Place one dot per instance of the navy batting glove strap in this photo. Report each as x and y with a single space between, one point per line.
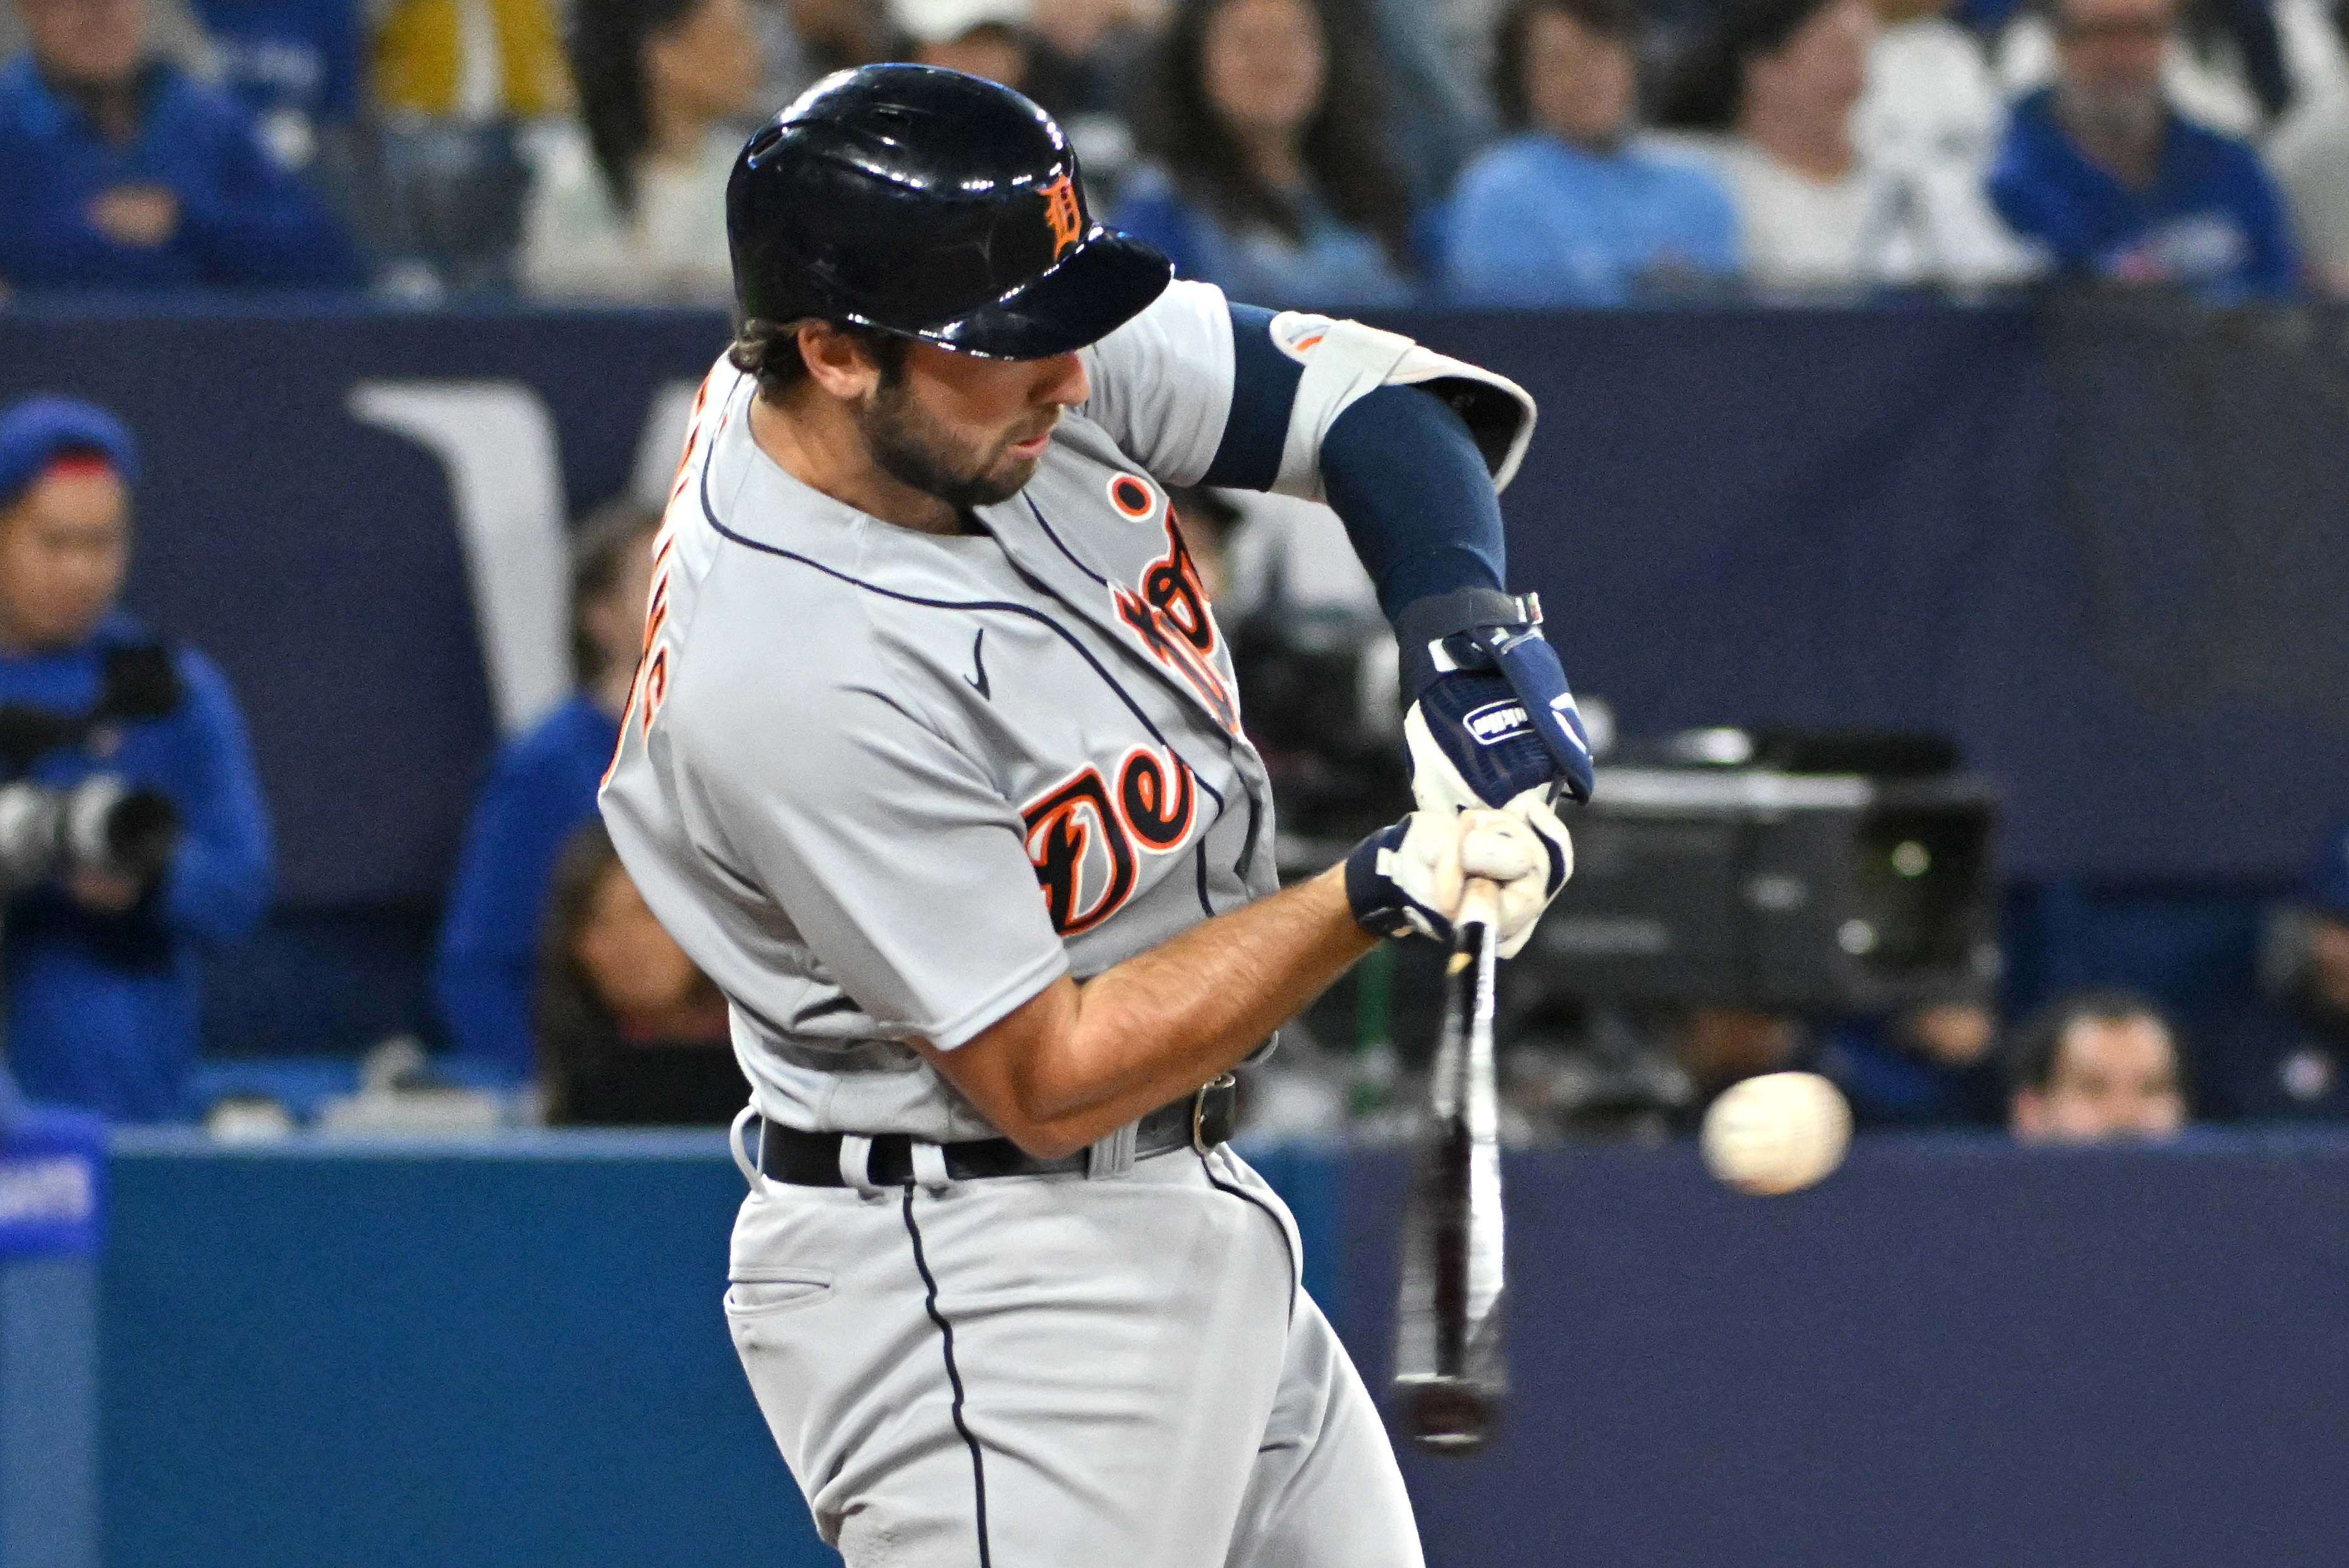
1381 905
1492 694
1432 634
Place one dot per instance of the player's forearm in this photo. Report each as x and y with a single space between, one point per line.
1077 1062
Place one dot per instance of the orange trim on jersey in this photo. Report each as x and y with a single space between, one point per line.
692 434
1131 496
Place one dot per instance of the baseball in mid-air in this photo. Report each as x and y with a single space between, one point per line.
1776 1133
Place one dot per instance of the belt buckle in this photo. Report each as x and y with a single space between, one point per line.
1199 1111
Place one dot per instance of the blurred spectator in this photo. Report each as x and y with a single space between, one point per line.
173 32
541 789
1931 102
294 65
2289 1058
1815 211
634 207
629 1032
470 61
1574 209
803 41
2225 64
980 37
2310 155
1929 1067
1717 1047
102 955
2103 173
2095 1065
1104 43
1273 181
1098 54
456 82
117 170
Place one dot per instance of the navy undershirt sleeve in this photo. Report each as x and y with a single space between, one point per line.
1399 466
1263 390
1404 475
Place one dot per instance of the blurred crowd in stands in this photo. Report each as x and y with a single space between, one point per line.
1341 154
553 980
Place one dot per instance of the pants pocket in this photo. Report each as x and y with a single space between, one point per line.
767 1294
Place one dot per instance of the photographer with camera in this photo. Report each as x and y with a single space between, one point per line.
132 833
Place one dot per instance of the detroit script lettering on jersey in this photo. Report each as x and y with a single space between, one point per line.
1169 613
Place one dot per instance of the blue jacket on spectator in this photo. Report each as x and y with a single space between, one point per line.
243 220
2211 221
1538 221
102 1010
1891 1087
288 57
541 790
1336 265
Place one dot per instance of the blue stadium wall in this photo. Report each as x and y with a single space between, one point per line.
1953 1353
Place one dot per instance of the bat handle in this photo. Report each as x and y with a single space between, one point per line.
1480 905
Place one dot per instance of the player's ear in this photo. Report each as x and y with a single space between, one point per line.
836 361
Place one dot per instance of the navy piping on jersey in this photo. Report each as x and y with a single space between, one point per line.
710 515
1039 513
1296 1267
1255 816
954 1378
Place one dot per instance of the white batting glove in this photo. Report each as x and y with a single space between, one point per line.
1406 880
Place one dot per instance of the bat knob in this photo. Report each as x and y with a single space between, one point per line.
1447 1416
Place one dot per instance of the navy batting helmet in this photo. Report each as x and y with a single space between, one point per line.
933 206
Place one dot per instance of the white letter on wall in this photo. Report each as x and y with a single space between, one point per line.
663 443
496 442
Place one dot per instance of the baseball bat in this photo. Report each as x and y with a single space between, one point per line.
1451 1369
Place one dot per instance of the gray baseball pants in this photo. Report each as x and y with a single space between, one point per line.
1029 1371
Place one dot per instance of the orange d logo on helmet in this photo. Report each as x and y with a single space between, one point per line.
1061 211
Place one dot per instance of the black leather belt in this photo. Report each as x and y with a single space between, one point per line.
1198 1121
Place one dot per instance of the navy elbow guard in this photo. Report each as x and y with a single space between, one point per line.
1491 714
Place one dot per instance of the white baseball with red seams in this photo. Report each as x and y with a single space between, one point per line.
1776 1133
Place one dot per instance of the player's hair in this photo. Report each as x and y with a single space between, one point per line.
770 351
1617 21
1705 89
607 61
599 550
1345 146
2032 1052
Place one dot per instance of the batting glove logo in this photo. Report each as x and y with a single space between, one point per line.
1495 722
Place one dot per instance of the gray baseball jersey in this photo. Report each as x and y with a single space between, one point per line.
881 784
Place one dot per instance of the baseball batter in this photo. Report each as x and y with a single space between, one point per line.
934 764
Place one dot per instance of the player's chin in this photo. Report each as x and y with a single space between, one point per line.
1007 479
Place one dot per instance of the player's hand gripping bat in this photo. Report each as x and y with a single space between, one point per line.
1451 1373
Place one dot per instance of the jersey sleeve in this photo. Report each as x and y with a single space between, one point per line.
899 864
1162 384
